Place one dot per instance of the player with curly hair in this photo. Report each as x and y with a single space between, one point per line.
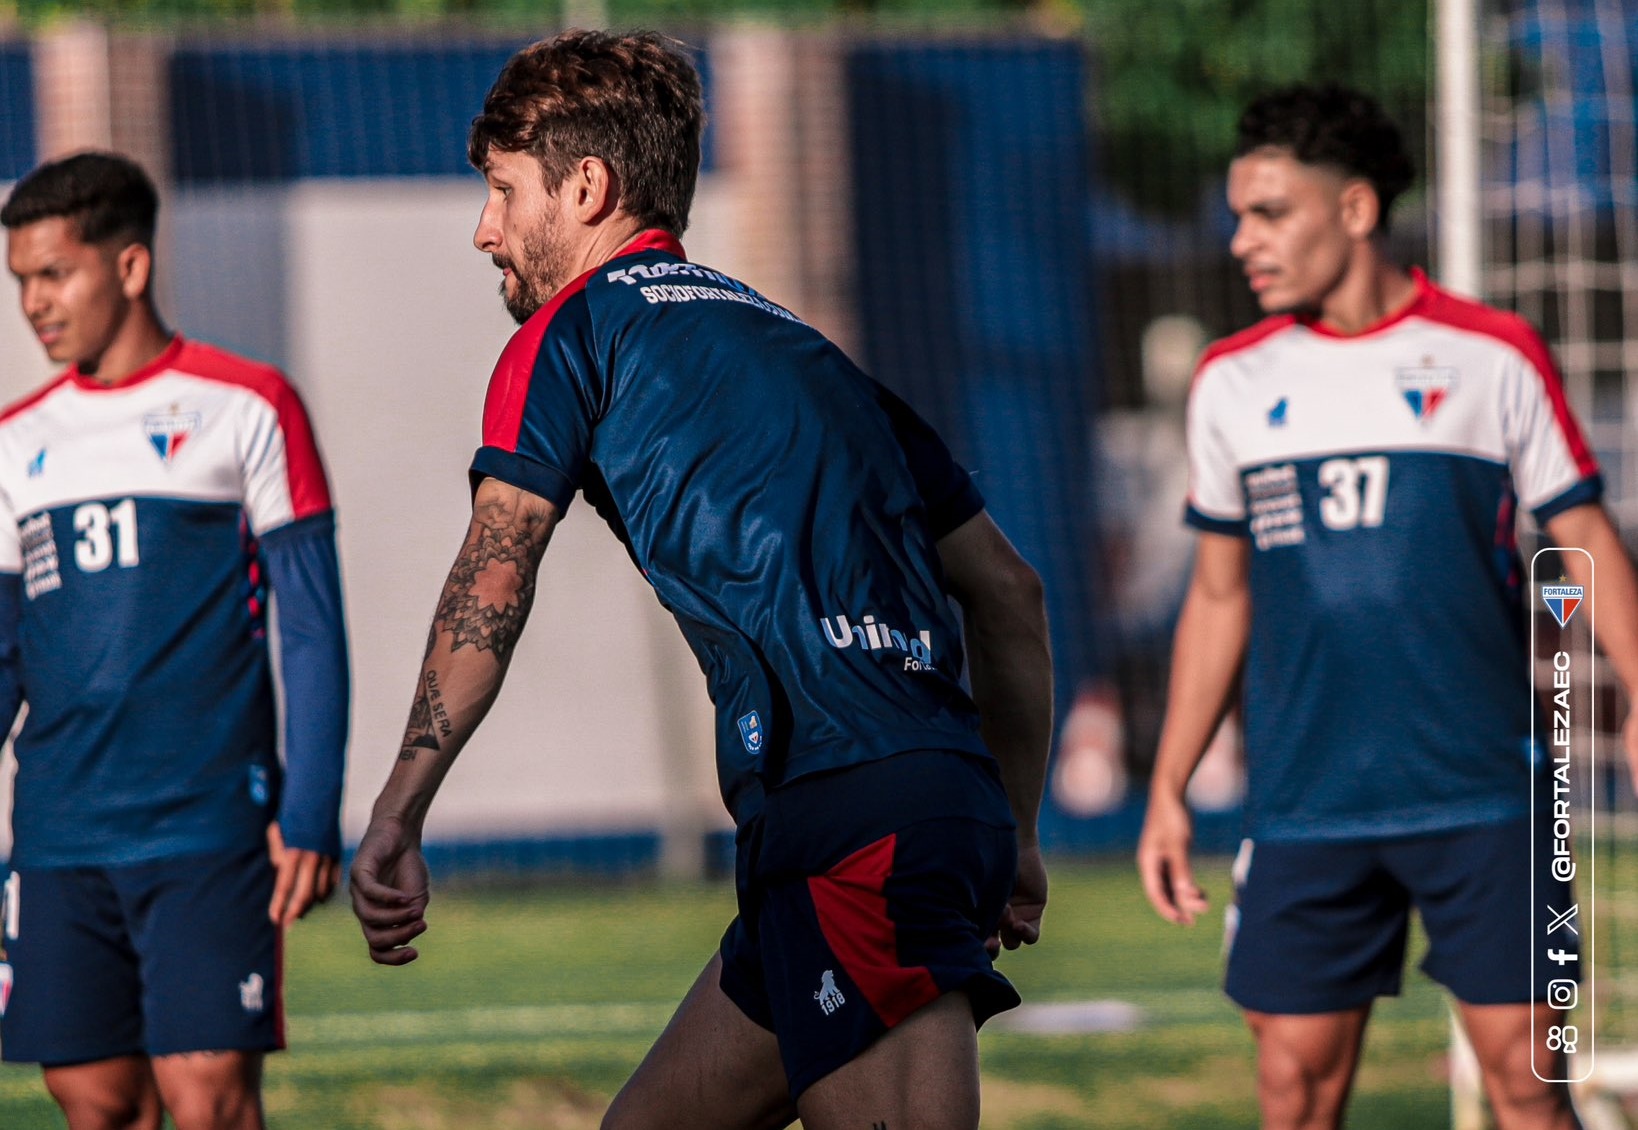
806 529
1356 463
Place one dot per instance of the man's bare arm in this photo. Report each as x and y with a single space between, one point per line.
1613 600
1009 657
1010 667
1210 644
480 616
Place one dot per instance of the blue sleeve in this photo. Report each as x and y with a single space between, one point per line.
945 487
305 578
11 678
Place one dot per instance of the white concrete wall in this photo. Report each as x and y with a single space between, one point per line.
372 297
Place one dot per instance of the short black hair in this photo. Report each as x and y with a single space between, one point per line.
106 196
1335 126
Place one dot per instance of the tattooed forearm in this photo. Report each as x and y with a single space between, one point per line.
435 699
428 720
492 583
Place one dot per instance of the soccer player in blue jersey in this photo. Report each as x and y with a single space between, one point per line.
1356 464
152 498
806 529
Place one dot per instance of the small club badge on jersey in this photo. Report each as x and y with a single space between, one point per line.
750 731
168 431
1425 387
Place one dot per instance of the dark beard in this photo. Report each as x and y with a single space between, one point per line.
540 272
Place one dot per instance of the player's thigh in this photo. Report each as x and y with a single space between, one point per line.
713 1068
75 992
1313 1050
1472 888
1511 1044
1316 927
211 1090
109 1094
921 1075
211 960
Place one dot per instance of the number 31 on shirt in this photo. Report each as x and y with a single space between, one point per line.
107 534
1356 491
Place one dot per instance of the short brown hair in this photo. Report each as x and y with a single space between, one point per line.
632 100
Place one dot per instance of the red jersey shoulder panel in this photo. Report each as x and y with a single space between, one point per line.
509 384
309 487
1245 339
1512 330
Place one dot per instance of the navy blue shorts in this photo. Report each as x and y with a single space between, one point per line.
176 955
865 894
1320 926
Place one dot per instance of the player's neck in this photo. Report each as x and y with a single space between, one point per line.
1373 289
141 338
606 241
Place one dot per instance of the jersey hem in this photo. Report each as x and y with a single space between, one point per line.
1383 826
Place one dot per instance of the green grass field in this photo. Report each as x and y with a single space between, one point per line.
530 1005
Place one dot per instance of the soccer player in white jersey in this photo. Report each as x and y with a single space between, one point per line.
151 497
1356 461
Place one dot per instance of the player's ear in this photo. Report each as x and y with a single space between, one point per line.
596 190
1360 208
135 265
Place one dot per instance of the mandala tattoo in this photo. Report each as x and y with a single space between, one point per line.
492 584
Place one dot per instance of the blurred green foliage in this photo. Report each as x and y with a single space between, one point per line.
1170 76
1173 75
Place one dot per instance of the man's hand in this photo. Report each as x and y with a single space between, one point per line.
302 879
1163 861
390 891
1021 920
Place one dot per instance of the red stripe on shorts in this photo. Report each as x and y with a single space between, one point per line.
853 917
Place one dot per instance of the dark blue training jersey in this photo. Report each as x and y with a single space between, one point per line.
783 505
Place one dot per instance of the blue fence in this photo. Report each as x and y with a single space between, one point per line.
17 143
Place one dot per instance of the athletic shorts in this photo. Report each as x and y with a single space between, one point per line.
177 955
864 894
1320 926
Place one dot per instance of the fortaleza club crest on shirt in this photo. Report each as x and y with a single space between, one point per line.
1562 601
1425 387
750 731
168 431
